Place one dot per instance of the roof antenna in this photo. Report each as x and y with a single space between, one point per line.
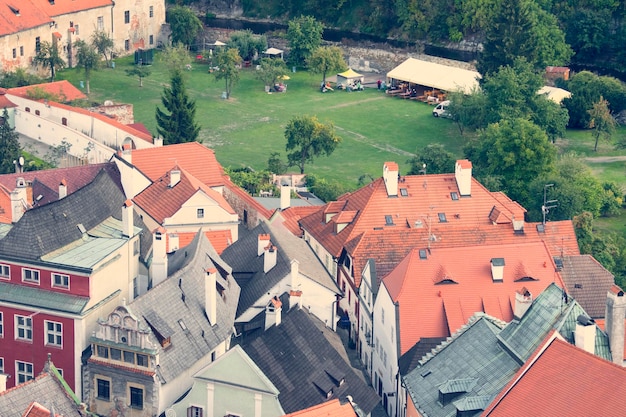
547 204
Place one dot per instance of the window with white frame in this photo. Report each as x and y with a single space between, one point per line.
100 22
54 333
151 11
5 271
200 213
30 275
23 371
194 411
60 281
136 397
23 328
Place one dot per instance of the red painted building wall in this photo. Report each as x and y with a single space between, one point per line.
78 284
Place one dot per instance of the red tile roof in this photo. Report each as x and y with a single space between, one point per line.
37 410
4 101
20 15
332 408
220 239
563 380
292 215
451 284
195 158
61 7
64 90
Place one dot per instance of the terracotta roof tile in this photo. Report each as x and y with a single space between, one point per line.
220 239
292 215
29 16
562 380
37 410
60 7
452 284
64 90
332 408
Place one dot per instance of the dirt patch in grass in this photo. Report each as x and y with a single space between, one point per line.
355 103
381 146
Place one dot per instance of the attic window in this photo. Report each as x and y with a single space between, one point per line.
389 220
442 217
578 286
454 195
426 373
525 279
404 192
541 228
423 254
14 10
182 325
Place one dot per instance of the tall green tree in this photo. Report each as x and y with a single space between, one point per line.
184 24
104 44
227 61
304 34
247 43
326 59
9 146
270 69
602 123
432 159
176 124
87 59
176 58
49 57
307 138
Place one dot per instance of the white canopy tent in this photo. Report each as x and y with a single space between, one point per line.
274 52
555 94
439 76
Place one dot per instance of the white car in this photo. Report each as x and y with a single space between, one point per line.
442 109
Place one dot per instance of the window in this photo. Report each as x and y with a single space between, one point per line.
60 281
27 109
136 397
37 44
100 22
24 371
54 334
136 247
76 30
37 112
442 217
1 365
151 11
454 195
194 412
23 328
127 16
64 121
116 354
129 357
200 213
404 192
389 220
127 45
103 389
21 51
30 275
103 352
151 40
1 326
5 272
142 360
382 316
14 53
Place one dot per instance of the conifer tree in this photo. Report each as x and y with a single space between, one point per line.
176 123
9 146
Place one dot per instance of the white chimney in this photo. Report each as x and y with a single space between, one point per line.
390 175
518 225
463 175
269 258
3 382
614 324
127 219
157 142
285 197
585 334
62 189
523 301
127 153
18 200
158 268
273 313
210 295
497 269
173 243
174 177
263 242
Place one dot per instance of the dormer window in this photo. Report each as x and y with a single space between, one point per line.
454 195
442 217
389 220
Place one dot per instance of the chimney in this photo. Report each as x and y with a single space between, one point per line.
210 295
273 312
390 175
269 258
174 177
585 334
518 225
263 242
173 243
127 153
497 269
285 197
523 301
3 382
463 176
158 268
62 189
19 200
157 142
614 324
127 219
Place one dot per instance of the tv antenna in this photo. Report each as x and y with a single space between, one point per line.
547 204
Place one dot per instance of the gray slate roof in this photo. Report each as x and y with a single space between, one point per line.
46 389
297 357
163 306
411 357
242 257
588 282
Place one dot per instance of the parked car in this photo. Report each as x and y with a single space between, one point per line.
442 109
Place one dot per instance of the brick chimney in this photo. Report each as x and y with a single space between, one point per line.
614 324
210 295
523 301
19 200
62 189
390 175
585 333
263 242
273 313
463 176
269 258
174 177
285 197
497 269
158 268
127 219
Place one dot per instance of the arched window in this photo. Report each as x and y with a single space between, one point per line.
64 121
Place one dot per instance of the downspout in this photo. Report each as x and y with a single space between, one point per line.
397 305
112 7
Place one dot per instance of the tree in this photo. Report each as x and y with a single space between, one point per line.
247 43
87 58
436 159
139 71
270 69
601 122
177 126
308 138
324 189
276 165
304 35
9 146
176 58
104 44
48 57
326 59
184 24
227 62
